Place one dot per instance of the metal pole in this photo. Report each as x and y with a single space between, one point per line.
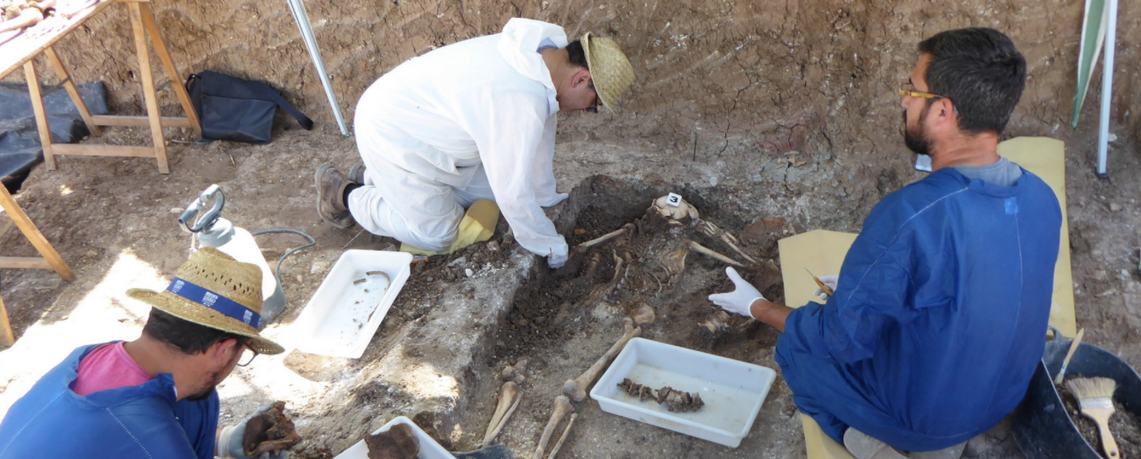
298 9
1106 88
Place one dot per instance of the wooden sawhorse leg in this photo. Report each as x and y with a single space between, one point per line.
48 259
143 26
7 338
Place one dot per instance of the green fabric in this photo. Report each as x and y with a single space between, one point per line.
1093 34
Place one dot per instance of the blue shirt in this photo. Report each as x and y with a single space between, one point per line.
939 318
144 421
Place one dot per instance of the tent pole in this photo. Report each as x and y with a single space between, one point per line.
298 9
1106 89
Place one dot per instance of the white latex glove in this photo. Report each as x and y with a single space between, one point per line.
230 440
831 281
556 260
739 300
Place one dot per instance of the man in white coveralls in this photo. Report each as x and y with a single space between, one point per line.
471 121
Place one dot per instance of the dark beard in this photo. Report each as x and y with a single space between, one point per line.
201 395
214 381
916 142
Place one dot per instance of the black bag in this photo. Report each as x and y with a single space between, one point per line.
235 109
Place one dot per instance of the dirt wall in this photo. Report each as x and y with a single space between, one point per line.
714 76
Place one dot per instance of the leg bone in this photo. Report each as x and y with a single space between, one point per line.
576 388
502 421
713 254
507 395
563 437
562 407
605 237
713 230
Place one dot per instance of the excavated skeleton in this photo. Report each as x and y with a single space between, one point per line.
270 432
674 400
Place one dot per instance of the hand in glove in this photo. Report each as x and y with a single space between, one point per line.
740 299
556 260
831 281
230 444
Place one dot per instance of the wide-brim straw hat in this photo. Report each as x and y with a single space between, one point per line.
214 290
610 70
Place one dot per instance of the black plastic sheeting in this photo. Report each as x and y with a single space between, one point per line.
20 142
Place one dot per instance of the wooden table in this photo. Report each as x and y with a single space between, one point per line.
22 51
38 40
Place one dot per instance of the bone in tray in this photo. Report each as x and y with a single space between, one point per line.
362 299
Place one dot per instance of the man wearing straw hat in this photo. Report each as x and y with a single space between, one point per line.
468 122
154 396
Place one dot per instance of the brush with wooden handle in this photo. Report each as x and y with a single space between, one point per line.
1095 399
1069 355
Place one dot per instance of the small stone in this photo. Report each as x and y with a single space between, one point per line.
91 254
318 267
468 272
457 262
175 210
1114 207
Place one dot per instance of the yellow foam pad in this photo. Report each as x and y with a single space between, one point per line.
822 252
1046 158
477 225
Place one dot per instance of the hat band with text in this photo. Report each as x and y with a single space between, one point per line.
215 301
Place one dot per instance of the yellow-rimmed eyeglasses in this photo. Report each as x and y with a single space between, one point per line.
908 90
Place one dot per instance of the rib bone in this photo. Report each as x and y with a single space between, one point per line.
562 407
576 388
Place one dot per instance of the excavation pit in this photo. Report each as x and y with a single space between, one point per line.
561 321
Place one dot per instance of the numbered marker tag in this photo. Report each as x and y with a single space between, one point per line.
673 199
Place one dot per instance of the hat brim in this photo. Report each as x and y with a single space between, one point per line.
206 317
610 71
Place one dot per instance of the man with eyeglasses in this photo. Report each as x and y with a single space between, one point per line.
936 324
471 121
153 396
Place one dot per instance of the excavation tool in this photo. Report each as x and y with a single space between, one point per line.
1069 355
1095 398
820 284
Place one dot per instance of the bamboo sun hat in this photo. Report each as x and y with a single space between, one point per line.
610 70
214 290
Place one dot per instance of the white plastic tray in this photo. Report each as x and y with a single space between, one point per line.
733 391
429 449
346 310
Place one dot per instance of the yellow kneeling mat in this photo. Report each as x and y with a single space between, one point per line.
822 253
477 225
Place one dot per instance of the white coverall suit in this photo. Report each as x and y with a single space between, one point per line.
472 120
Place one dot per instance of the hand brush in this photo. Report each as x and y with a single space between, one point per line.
1095 398
1069 355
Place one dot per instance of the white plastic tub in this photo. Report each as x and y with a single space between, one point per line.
346 310
429 449
733 391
